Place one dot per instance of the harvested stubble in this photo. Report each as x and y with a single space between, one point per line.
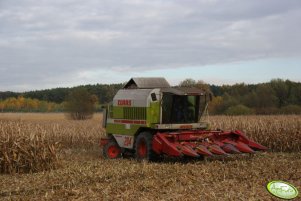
22 153
93 179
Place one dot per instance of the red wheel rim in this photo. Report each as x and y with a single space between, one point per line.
142 149
113 151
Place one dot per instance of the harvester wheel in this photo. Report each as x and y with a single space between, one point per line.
143 147
111 150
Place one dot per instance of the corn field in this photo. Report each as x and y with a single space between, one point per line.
69 149
22 152
33 144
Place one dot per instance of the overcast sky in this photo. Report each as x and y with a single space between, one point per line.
59 43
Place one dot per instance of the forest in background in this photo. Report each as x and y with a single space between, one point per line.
275 97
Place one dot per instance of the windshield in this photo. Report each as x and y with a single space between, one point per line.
180 109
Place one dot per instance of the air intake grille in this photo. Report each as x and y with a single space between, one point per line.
134 113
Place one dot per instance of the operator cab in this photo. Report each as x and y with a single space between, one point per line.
182 105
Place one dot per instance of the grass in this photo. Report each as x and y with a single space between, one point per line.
84 175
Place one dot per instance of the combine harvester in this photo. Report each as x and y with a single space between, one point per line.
149 119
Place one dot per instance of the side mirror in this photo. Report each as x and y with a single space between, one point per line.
153 96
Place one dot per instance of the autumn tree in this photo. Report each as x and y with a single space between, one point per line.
187 83
216 105
80 104
281 91
198 84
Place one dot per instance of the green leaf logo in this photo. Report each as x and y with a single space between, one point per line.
282 190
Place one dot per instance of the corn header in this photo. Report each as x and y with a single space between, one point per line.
149 119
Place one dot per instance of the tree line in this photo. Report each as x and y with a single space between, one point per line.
104 93
275 97
21 104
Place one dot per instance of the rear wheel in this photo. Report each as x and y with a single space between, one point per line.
111 150
143 147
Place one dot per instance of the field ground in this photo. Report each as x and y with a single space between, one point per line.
84 175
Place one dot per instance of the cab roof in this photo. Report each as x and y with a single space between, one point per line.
182 91
146 83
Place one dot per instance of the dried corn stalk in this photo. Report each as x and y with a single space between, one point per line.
21 153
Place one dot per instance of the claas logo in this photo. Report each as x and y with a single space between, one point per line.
124 102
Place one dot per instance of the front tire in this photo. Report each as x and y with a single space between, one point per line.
111 150
143 147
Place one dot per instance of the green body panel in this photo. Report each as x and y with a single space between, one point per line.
150 114
115 128
137 113
153 114
117 112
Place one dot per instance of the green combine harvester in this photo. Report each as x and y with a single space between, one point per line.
148 118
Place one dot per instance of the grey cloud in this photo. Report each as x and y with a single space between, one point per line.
51 42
